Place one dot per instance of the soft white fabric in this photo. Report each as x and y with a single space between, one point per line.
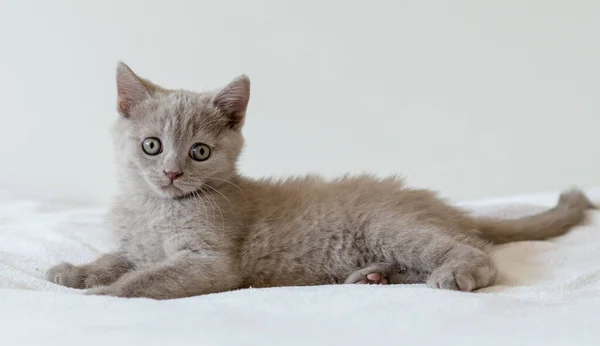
548 294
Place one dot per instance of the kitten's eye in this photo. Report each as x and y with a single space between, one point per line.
152 146
200 152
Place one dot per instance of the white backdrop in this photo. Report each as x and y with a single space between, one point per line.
473 98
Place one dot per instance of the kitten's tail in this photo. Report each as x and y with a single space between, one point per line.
568 212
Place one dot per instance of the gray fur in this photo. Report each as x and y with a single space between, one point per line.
214 230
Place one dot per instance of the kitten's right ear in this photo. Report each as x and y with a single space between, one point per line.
130 90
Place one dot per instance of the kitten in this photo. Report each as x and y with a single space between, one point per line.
189 224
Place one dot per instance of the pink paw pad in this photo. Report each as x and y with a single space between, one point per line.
373 279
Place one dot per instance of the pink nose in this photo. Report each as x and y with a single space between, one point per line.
173 175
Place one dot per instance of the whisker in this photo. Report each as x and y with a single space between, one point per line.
219 192
228 182
212 207
199 193
199 199
216 206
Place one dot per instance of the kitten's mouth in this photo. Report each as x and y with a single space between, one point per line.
169 187
176 192
175 189
171 190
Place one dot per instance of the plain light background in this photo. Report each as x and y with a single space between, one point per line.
471 98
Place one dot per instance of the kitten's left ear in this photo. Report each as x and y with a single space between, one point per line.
233 100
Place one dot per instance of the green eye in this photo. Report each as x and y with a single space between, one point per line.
152 146
200 152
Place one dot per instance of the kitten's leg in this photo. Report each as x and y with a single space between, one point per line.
384 273
453 265
185 274
105 270
464 268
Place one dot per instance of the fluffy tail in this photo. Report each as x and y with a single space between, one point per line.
568 212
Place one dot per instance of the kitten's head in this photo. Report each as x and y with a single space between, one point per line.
174 143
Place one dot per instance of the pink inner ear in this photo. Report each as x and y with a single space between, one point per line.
123 107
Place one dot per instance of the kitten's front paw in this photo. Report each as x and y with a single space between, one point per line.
464 277
66 274
103 291
114 290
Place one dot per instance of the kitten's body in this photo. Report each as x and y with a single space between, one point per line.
310 231
303 231
212 230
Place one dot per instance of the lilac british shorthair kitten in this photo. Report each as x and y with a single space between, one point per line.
189 224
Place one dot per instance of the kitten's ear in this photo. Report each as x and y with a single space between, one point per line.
130 89
232 101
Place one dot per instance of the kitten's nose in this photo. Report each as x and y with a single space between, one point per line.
173 175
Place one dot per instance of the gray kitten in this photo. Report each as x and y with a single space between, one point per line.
189 224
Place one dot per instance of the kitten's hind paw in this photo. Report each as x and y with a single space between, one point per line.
374 279
375 274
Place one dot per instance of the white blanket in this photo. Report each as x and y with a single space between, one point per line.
548 293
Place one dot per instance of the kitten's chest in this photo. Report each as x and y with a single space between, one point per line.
151 233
